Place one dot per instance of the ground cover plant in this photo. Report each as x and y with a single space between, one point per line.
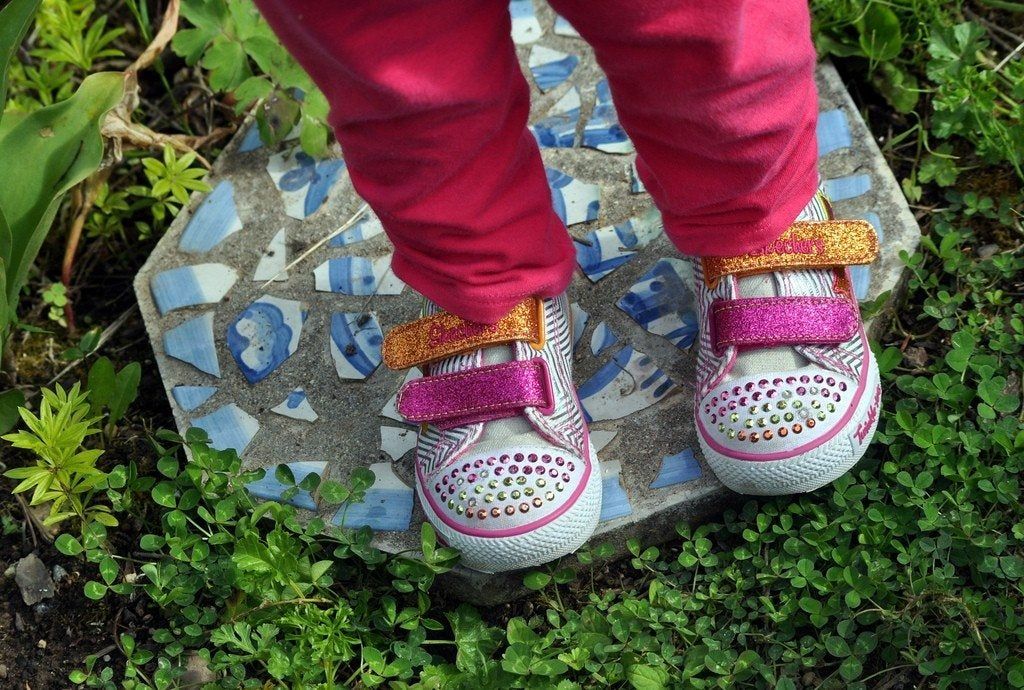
906 573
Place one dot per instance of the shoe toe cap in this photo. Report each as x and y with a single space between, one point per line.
772 416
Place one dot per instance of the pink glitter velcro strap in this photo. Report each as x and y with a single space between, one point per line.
768 321
477 395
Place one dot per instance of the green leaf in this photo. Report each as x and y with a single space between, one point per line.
963 347
109 570
537 580
68 545
100 383
95 590
164 494
10 401
881 38
643 677
63 143
15 19
126 388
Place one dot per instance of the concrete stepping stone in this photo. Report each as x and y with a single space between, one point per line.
285 367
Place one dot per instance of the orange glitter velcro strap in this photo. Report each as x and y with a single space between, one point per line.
443 335
806 244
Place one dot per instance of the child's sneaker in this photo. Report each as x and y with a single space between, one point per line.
504 467
788 390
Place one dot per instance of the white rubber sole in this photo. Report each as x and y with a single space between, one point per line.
563 535
811 470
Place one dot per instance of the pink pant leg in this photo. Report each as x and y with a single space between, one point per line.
429 105
719 99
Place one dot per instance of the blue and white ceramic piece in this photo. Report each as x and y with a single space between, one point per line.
215 219
395 441
525 27
574 201
628 383
269 489
365 228
229 426
558 128
264 335
603 250
303 181
355 344
251 141
860 276
296 406
662 301
580 317
188 286
550 67
636 185
390 409
602 338
614 500
677 469
564 28
192 342
599 438
357 275
833 132
191 397
849 187
273 261
386 508
603 131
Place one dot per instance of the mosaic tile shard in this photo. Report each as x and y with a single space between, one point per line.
355 344
304 182
603 131
551 68
574 201
191 397
614 500
849 187
525 27
636 185
630 382
367 227
270 488
602 338
833 132
214 220
600 438
558 128
580 317
603 250
357 275
662 301
274 259
252 140
264 335
396 442
861 275
564 28
188 286
192 342
677 469
387 507
390 409
297 406
229 426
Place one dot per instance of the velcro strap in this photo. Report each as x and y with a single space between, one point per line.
490 392
442 335
806 244
769 321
